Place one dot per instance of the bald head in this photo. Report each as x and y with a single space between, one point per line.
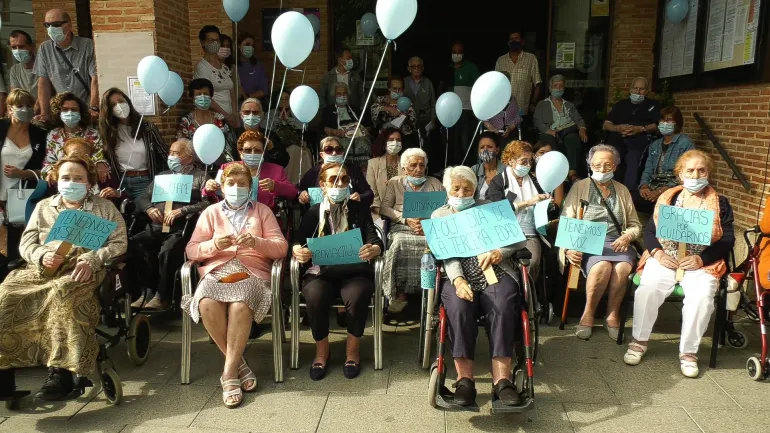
56 15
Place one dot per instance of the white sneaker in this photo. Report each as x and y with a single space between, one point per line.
689 368
397 306
634 357
138 303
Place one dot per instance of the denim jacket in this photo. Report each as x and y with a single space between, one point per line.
680 144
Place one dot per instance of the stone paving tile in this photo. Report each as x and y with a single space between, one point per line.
38 409
611 419
573 385
380 413
718 421
58 425
737 384
157 429
546 417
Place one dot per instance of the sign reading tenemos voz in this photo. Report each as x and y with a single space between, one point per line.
581 235
82 229
690 226
473 231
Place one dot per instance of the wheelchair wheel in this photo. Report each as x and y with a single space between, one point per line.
139 339
549 314
737 340
754 368
111 385
433 386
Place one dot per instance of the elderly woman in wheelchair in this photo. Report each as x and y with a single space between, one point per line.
235 243
702 265
353 282
466 292
50 308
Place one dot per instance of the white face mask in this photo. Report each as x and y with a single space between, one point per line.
121 110
602 177
695 186
393 147
457 58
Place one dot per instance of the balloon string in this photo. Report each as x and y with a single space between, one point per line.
237 76
301 150
363 110
272 86
283 84
366 61
141 118
476 131
446 153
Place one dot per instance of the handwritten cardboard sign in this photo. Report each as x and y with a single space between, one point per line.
422 204
316 195
339 249
541 216
473 231
581 235
689 226
82 229
254 188
172 187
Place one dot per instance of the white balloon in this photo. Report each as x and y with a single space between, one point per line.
395 16
304 103
552 170
293 38
490 94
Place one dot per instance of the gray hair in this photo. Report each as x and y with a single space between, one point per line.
254 101
643 79
411 153
462 172
340 84
555 79
415 58
603 148
188 145
328 140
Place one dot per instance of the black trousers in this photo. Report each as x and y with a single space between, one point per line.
498 302
320 292
164 252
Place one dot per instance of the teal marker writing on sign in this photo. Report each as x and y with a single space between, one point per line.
690 226
172 187
422 204
339 249
581 235
82 229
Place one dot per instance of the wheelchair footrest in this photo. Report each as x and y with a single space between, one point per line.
527 404
446 399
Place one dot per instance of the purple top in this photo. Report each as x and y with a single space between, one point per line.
253 77
509 116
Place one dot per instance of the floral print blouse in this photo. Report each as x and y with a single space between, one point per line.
188 125
55 146
381 117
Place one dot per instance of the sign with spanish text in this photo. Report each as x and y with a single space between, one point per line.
581 235
422 204
473 231
82 229
172 187
541 216
339 249
689 226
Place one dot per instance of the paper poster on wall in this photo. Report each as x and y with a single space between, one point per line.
677 52
731 35
143 103
269 15
600 8
361 38
565 55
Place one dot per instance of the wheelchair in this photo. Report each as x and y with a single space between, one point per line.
439 396
115 311
189 277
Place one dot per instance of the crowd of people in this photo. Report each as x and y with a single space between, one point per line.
98 152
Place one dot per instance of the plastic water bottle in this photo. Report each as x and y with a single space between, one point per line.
427 270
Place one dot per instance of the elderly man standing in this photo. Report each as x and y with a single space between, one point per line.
632 126
342 73
420 91
525 75
67 63
164 251
21 74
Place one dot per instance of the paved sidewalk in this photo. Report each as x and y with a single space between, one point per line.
580 386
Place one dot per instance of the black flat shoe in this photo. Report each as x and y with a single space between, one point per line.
58 385
465 392
506 392
318 370
7 383
351 369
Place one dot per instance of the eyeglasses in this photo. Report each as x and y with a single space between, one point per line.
607 167
252 151
331 150
343 180
525 162
55 24
254 112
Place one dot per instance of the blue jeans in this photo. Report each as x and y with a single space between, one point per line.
136 185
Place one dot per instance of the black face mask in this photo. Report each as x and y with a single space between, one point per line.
514 46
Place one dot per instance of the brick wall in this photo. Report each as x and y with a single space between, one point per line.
739 116
40 7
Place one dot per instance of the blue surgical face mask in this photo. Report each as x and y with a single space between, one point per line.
203 102
602 177
72 191
636 98
252 120
695 185
521 170
247 51
349 64
460 203
22 114
341 100
252 159
57 34
22 56
395 95
70 118
339 159
174 163
667 128
416 180
236 196
557 93
487 156
338 195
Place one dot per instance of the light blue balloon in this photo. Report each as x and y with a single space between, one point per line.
153 73
209 142
403 104
173 90
552 169
449 108
315 22
236 9
490 94
369 24
293 38
395 16
676 10
303 102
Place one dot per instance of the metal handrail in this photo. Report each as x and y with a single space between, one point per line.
715 141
